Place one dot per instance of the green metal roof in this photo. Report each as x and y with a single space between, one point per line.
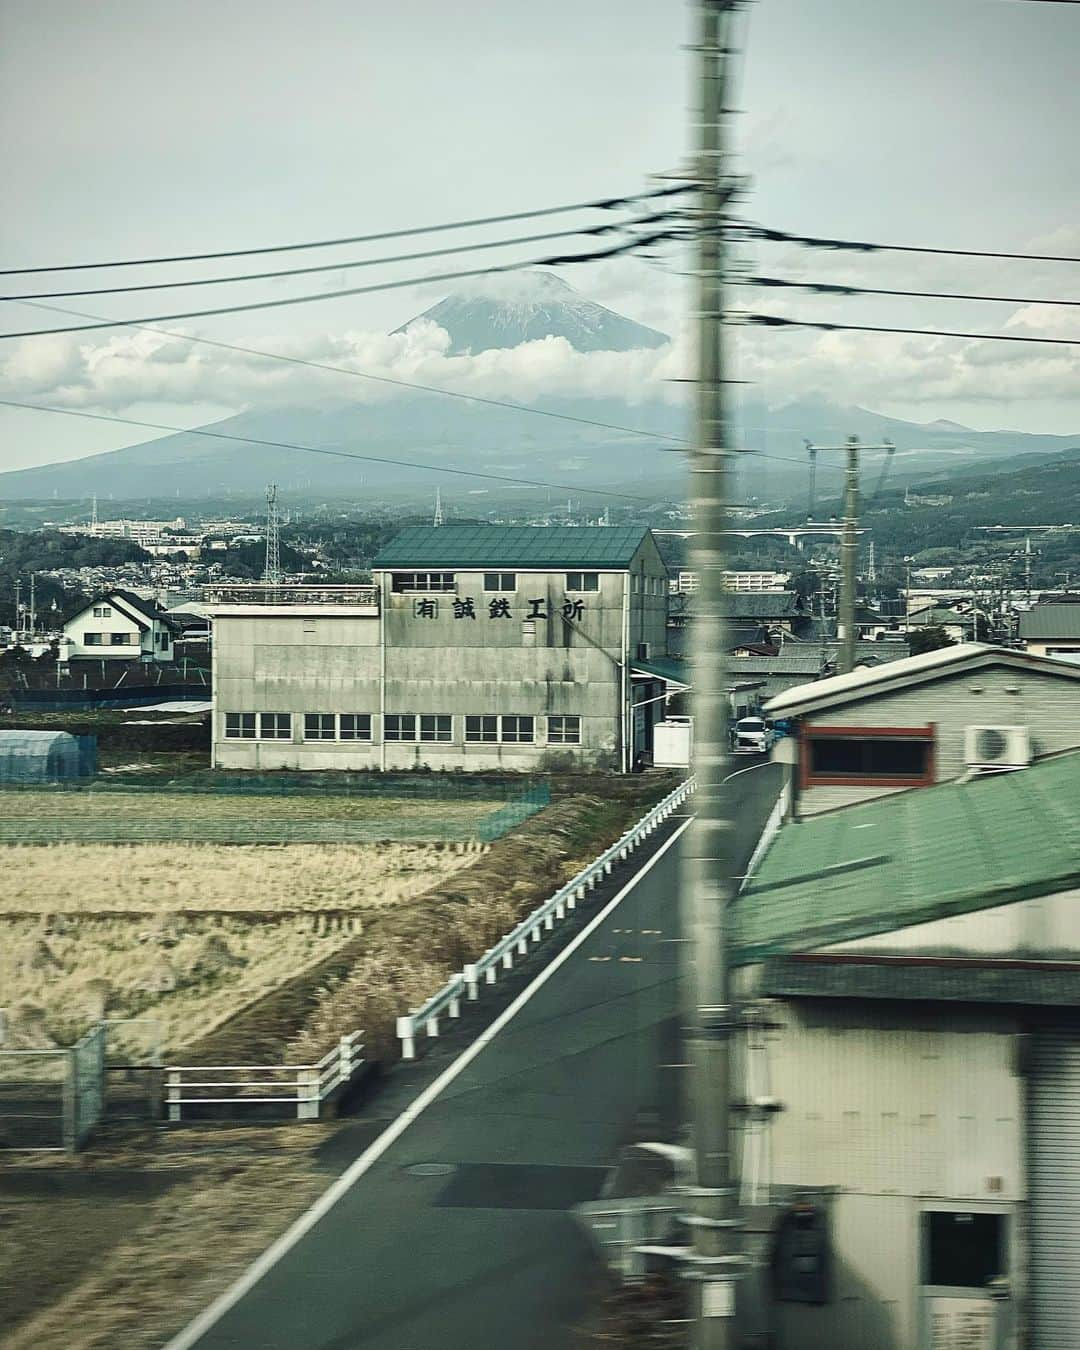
914 856
1051 621
467 546
668 668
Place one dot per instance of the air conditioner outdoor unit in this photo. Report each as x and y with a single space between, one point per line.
997 747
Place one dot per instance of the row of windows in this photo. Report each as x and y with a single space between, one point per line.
504 728
406 582
114 639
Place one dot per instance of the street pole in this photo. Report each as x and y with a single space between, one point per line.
714 1256
849 550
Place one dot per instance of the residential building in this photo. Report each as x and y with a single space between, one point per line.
958 625
795 666
117 625
476 647
910 970
1052 628
922 720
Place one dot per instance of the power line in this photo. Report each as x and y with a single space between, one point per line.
776 321
598 204
827 288
317 450
861 246
609 227
560 260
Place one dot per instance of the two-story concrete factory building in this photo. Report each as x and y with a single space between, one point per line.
476 647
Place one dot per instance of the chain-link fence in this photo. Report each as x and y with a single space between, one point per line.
85 1089
33 1099
54 1099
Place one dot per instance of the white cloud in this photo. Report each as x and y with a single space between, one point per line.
929 376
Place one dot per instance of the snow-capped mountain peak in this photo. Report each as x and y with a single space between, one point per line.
507 310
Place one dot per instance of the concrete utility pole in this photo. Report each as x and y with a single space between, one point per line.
849 553
849 544
715 1258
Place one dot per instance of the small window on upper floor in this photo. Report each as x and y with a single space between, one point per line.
583 581
500 581
411 582
102 612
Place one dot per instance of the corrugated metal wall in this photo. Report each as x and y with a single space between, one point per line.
894 1109
1054 1162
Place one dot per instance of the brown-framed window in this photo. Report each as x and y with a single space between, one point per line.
867 756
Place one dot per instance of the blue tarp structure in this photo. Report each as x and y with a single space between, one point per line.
45 756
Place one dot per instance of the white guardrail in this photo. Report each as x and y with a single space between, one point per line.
530 930
305 1086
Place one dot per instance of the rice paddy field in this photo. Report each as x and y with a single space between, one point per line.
184 934
158 815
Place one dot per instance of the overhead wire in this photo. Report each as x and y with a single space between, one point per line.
831 288
608 227
779 321
559 260
770 236
596 204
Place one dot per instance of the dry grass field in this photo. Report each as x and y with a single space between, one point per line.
184 934
158 815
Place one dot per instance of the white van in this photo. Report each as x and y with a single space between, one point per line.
753 735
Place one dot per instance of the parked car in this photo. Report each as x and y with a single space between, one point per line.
753 735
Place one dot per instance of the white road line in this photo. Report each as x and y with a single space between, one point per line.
195 1329
749 769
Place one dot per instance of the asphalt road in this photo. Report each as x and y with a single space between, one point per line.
458 1236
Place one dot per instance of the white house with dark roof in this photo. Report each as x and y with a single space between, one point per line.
923 720
476 647
117 625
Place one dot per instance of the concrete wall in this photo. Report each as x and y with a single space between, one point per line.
901 1111
301 662
1047 705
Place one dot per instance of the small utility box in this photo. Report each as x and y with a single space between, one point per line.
673 742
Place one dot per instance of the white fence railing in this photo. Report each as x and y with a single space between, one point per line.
303 1086
531 929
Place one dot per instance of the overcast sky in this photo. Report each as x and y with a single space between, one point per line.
139 127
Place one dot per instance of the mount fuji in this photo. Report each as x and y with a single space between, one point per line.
506 311
359 446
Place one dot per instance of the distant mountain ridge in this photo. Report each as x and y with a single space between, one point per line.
362 440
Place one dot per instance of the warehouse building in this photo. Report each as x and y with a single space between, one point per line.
476 647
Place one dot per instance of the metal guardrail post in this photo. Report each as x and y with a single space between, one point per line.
307 1094
471 980
173 1096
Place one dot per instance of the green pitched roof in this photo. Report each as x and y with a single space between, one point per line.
914 856
1051 621
466 546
